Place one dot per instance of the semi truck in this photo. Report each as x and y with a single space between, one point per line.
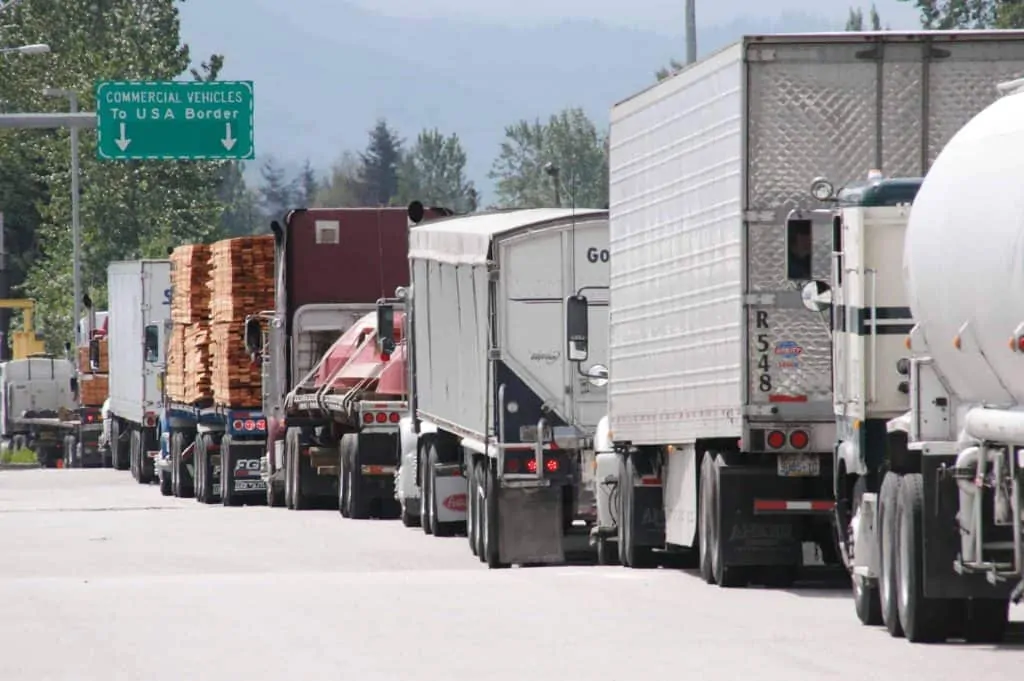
211 427
344 421
721 432
333 264
39 411
504 417
930 469
139 307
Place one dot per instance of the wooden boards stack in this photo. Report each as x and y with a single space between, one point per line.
93 389
242 284
188 376
104 364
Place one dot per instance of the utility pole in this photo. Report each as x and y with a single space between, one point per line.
691 31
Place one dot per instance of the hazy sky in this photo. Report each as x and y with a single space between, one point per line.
661 15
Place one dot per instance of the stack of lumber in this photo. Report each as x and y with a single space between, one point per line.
198 372
242 284
104 364
93 389
190 275
188 376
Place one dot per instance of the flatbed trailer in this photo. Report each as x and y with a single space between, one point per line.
71 440
343 427
199 442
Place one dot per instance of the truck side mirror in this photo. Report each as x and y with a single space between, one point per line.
94 354
253 336
577 328
816 296
152 343
386 329
799 249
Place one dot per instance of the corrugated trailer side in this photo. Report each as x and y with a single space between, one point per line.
125 300
450 305
676 162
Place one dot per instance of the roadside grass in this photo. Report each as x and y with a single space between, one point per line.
18 456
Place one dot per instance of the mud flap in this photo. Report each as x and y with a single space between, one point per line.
530 525
648 517
749 539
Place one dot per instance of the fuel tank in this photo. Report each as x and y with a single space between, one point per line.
964 256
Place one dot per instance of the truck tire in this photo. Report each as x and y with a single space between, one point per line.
343 478
866 600
181 483
145 471
707 572
491 526
924 620
119 454
437 528
358 504
205 493
275 494
630 555
726 577
472 528
227 481
293 462
425 499
888 503
165 483
478 491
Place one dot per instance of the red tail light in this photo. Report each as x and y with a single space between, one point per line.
367 417
776 439
395 417
511 465
799 439
261 424
551 465
531 465
381 417
237 424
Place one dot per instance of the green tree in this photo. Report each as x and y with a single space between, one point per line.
434 172
342 188
944 15
277 193
380 161
242 215
128 209
569 141
308 186
855 21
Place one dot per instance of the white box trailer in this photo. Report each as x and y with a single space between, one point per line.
496 397
139 308
720 396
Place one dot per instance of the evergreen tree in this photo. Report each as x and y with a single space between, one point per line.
277 193
380 161
309 185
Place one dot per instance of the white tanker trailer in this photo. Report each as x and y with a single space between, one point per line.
934 539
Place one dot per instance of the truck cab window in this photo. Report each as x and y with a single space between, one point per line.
798 249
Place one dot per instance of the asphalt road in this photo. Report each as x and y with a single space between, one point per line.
103 579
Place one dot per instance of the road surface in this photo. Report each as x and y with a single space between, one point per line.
104 579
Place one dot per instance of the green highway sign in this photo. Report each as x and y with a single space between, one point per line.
174 120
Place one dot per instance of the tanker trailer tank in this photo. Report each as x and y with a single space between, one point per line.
954 458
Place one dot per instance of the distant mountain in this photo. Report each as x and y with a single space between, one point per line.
322 76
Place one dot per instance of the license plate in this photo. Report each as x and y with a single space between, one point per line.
799 466
250 486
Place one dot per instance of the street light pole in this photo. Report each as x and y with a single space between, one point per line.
76 230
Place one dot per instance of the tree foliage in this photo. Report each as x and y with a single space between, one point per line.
568 141
379 172
673 68
128 209
855 22
961 14
434 172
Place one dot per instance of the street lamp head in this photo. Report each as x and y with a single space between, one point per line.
33 49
